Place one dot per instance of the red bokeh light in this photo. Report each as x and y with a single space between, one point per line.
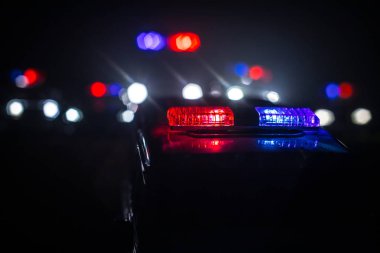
31 76
184 42
345 90
98 89
256 72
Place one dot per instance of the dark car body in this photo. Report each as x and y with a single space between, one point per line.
241 189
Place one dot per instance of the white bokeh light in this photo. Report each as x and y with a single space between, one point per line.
273 96
73 115
192 91
15 108
50 109
361 116
137 93
21 81
132 107
235 93
246 80
126 116
326 117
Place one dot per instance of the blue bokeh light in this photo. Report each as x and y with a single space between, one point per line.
15 73
332 90
241 69
150 41
114 89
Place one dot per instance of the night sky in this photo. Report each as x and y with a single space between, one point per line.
305 46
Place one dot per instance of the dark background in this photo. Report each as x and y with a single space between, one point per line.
60 183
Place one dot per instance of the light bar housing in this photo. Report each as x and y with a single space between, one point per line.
200 116
287 117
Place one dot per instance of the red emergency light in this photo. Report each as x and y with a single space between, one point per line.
200 116
184 42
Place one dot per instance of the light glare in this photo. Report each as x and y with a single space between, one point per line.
235 93
192 91
273 96
126 116
326 117
361 116
50 109
15 108
73 115
137 93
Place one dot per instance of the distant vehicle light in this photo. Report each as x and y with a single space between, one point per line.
98 89
50 109
287 117
73 115
21 81
184 42
137 93
150 41
241 69
15 108
256 72
31 76
345 90
192 91
272 96
114 89
235 93
246 80
361 116
126 116
332 90
326 117
200 116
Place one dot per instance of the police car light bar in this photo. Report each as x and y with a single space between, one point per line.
200 116
287 117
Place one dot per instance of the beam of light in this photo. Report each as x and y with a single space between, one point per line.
176 75
73 115
118 69
214 73
50 109
272 96
137 93
192 91
361 116
235 93
326 117
332 90
126 116
15 108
